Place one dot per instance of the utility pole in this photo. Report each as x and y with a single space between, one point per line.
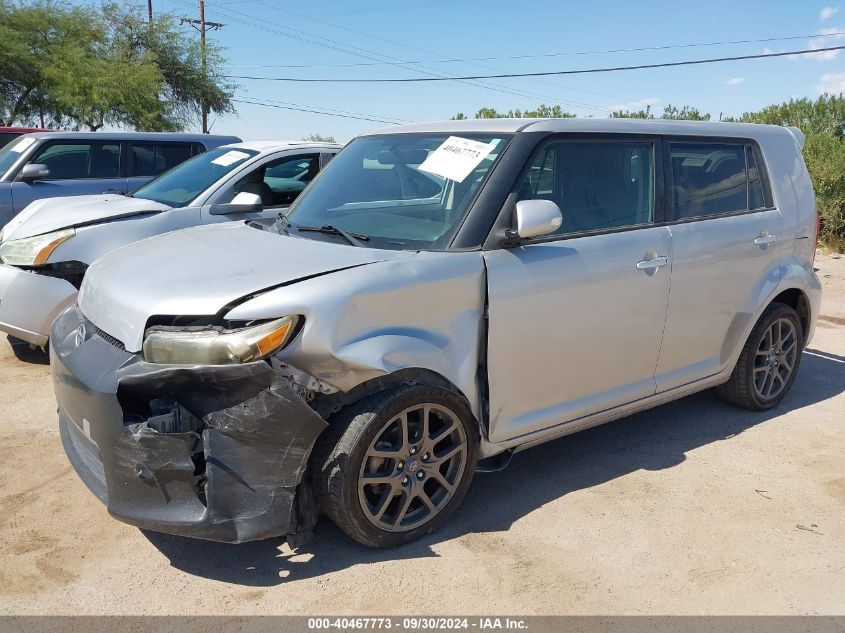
202 26
150 11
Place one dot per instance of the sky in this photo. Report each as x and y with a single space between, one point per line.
376 39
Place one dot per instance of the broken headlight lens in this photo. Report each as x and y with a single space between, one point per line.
218 347
33 251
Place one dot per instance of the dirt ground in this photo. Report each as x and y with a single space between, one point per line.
691 508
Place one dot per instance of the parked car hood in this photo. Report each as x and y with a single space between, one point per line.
200 270
52 214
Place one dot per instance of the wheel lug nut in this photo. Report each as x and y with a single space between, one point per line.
420 475
401 464
413 450
425 456
404 480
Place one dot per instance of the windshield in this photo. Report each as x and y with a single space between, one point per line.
403 191
182 184
12 151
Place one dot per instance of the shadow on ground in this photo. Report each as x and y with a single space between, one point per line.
24 352
653 440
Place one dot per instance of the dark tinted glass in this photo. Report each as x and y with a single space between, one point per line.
708 179
152 159
597 185
80 160
756 199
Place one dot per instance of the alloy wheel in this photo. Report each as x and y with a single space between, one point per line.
775 358
413 467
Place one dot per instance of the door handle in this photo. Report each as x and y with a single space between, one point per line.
765 238
112 191
649 264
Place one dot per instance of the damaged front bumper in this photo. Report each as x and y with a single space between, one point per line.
29 302
213 452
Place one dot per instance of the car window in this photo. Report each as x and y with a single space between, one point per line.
711 179
152 159
278 182
597 184
181 185
756 199
80 160
403 191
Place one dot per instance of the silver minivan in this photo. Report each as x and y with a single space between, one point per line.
441 296
45 250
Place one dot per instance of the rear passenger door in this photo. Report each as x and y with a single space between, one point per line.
726 243
148 160
76 168
576 318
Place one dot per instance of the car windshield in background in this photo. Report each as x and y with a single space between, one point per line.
179 186
406 191
11 152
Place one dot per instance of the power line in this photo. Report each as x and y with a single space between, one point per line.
582 71
324 42
547 55
315 111
382 118
427 52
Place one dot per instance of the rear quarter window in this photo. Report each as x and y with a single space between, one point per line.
715 179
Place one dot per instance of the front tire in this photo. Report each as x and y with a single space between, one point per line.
394 466
769 362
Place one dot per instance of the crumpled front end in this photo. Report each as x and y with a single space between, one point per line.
213 452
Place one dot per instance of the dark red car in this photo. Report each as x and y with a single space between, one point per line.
8 133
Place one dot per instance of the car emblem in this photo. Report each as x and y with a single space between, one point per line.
79 335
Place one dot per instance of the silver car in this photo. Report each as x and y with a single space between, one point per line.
46 249
442 296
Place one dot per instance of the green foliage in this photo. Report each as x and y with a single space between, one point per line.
825 115
686 113
69 66
825 157
319 138
542 112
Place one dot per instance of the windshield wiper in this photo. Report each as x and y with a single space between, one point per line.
356 239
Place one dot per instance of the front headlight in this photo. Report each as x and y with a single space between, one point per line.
33 251
216 347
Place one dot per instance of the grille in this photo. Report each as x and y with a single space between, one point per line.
108 338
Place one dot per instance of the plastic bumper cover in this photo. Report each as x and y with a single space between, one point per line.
223 458
29 303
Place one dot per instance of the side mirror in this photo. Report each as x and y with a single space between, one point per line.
34 171
244 202
535 218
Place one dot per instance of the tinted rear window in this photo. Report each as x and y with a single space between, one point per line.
715 178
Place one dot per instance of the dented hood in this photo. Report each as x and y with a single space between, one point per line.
52 214
198 271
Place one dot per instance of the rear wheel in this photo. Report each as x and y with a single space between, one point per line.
394 466
769 361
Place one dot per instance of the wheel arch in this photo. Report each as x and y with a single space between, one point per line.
333 403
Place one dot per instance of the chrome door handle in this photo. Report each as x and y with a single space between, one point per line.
766 238
648 264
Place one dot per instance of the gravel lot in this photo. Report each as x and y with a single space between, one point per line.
694 507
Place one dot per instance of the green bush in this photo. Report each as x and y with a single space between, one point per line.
825 157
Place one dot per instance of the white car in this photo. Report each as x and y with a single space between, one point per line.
45 249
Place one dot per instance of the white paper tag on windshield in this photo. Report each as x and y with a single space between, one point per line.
456 158
22 144
232 156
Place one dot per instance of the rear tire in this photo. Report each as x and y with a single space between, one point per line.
769 361
394 466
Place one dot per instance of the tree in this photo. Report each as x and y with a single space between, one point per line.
68 66
542 112
825 115
686 113
319 138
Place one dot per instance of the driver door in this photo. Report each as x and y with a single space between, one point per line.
576 318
